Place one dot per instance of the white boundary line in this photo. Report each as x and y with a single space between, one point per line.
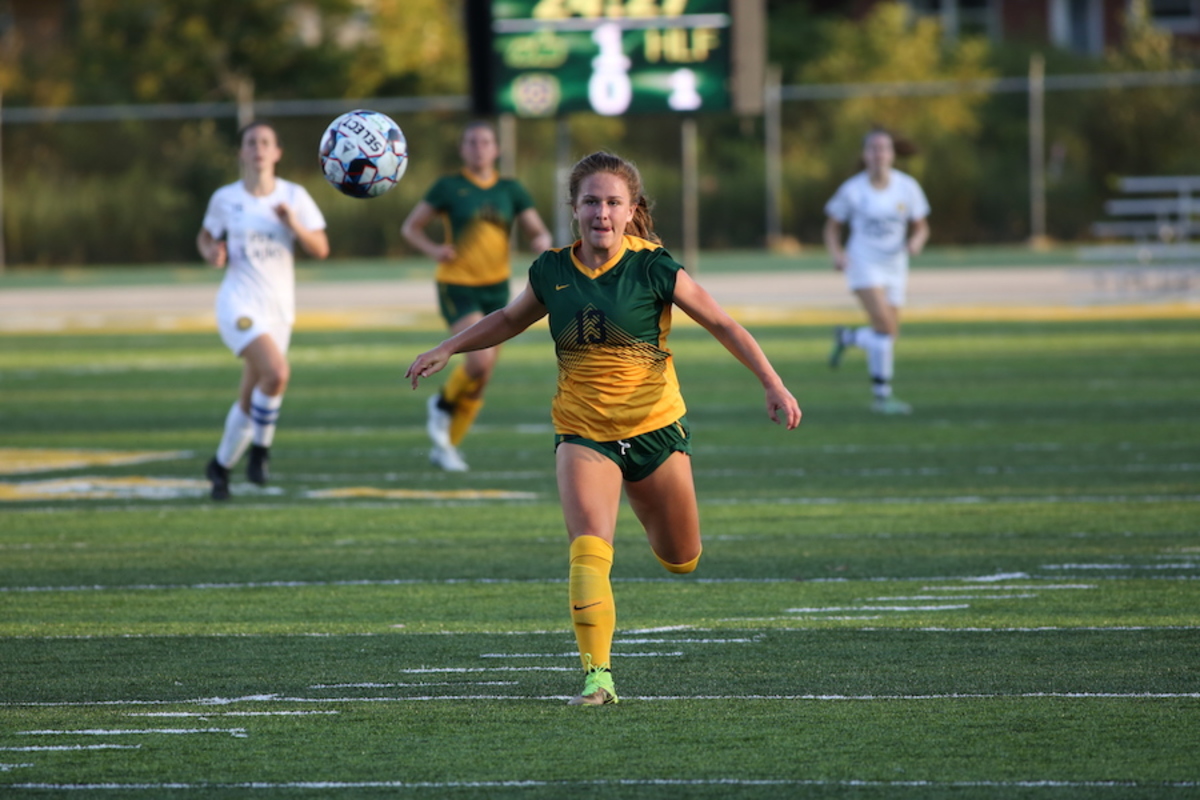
817 698
992 580
237 733
65 747
566 785
791 627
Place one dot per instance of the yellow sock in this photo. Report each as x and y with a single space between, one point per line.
593 611
464 393
679 569
466 409
459 385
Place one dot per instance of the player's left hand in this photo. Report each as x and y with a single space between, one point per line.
782 408
427 364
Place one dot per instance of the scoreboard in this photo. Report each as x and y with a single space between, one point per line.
545 58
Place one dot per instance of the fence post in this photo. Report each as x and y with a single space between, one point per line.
2 249
1037 151
690 167
562 172
773 155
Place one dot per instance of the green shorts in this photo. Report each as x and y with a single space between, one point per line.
639 456
456 301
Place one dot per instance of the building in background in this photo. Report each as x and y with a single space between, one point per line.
1084 26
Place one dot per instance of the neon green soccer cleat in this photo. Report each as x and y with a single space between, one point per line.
597 689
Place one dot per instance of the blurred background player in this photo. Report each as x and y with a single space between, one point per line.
250 230
887 213
478 209
618 414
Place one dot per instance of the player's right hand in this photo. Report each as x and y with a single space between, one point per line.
219 255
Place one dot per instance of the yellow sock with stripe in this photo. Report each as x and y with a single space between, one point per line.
679 569
593 610
463 394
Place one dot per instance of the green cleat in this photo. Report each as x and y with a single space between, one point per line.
890 406
597 689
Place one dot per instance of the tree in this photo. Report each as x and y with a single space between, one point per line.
889 45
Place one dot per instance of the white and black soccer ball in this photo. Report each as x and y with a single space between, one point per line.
363 153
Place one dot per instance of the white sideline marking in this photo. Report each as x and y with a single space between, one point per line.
238 733
953 500
1011 588
874 608
574 655
747 640
285 584
923 697
409 685
62 747
428 670
789 628
1185 565
910 598
206 714
11 767
566 785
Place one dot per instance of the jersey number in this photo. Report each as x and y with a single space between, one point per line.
591 326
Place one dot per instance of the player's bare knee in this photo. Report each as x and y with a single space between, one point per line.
275 383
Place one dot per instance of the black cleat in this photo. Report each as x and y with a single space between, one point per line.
220 479
257 468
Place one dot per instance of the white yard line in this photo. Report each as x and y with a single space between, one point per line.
568 785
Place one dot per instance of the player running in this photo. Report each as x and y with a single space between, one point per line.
887 212
250 230
619 417
478 208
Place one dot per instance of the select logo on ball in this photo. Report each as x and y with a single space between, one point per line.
363 153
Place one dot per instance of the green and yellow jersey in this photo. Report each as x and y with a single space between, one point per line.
616 377
478 219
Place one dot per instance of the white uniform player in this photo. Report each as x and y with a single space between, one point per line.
876 254
250 230
886 211
258 293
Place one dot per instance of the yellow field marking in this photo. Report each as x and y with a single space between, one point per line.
420 494
770 315
99 488
407 319
19 460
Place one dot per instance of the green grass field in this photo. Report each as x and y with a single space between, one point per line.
997 597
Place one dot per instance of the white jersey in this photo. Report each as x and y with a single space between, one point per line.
260 271
878 219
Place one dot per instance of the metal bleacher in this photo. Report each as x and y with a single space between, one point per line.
1150 246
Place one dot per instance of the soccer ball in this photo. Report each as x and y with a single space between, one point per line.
363 153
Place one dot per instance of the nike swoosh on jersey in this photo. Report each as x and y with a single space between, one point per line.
559 288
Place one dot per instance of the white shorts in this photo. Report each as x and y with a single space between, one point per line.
240 323
894 282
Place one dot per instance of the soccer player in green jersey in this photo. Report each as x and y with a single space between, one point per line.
477 208
618 413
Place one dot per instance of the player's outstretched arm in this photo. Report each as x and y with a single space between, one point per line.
700 306
496 328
